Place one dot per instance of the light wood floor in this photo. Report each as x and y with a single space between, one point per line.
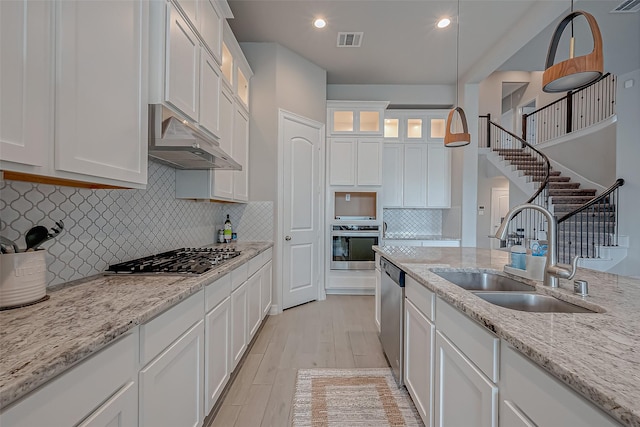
336 333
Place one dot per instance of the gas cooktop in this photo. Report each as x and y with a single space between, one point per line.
179 261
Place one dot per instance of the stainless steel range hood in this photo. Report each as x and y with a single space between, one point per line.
180 144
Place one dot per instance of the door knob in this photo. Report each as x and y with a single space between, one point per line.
287 238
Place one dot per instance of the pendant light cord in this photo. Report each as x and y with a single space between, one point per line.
458 55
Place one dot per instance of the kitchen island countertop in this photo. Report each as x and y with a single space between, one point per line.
43 340
596 354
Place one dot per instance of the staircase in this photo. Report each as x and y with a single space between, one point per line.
587 224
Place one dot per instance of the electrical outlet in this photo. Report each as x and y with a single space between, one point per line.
347 197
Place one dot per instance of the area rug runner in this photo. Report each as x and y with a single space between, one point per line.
351 397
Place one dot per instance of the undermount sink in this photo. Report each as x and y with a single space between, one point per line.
531 302
484 281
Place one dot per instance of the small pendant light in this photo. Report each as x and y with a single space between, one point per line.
463 138
573 73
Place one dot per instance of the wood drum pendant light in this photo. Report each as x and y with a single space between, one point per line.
574 73
463 138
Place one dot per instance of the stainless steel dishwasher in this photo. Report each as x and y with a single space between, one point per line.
392 317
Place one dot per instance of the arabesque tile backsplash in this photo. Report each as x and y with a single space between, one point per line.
103 227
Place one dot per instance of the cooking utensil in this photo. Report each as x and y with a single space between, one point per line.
10 242
53 233
35 236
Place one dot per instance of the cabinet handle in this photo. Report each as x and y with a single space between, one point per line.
287 238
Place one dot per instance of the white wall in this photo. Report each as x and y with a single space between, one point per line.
591 154
282 80
627 158
417 96
488 177
491 91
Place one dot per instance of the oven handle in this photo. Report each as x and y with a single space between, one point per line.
354 234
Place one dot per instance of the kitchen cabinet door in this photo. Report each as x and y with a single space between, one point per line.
392 170
182 65
438 176
240 154
101 119
26 82
218 363
415 176
209 93
121 410
223 180
254 306
460 382
378 290
419 341
211 27
342 161
369 162
534 397
171 386
266 284
239 329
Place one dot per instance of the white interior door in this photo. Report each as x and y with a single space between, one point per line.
302 209
499 209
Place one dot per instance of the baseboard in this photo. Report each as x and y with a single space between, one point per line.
351 291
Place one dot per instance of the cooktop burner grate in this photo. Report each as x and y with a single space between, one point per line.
179 261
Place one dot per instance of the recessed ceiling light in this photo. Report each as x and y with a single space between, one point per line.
443 23
319 23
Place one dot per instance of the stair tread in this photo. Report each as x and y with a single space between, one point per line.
572 192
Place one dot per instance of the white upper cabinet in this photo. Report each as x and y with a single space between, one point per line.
223 180
241 154
416 165
26 78
182 64
206 17
210 93
355 117
369 166
392 175
438 176
102 100
355 161
84 120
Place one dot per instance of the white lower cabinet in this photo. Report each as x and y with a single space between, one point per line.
169 371
529 396
239 338
464 396
378 290
266 287
171 386
102 381
254 306
218 364
419 358
121 410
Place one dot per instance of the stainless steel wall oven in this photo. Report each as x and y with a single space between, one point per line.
351 247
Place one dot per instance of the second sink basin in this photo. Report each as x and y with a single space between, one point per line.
483 281
530 302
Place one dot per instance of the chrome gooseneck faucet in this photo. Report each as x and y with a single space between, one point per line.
554 271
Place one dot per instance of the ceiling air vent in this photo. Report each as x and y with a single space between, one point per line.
627 6
350 39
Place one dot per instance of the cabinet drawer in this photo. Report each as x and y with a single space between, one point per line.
542 398
267 255
478 344
254 265
73 395
421 297
157 334
239 276
216 292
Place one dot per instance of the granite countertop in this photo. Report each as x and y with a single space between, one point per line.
41 341
414 236
597 354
